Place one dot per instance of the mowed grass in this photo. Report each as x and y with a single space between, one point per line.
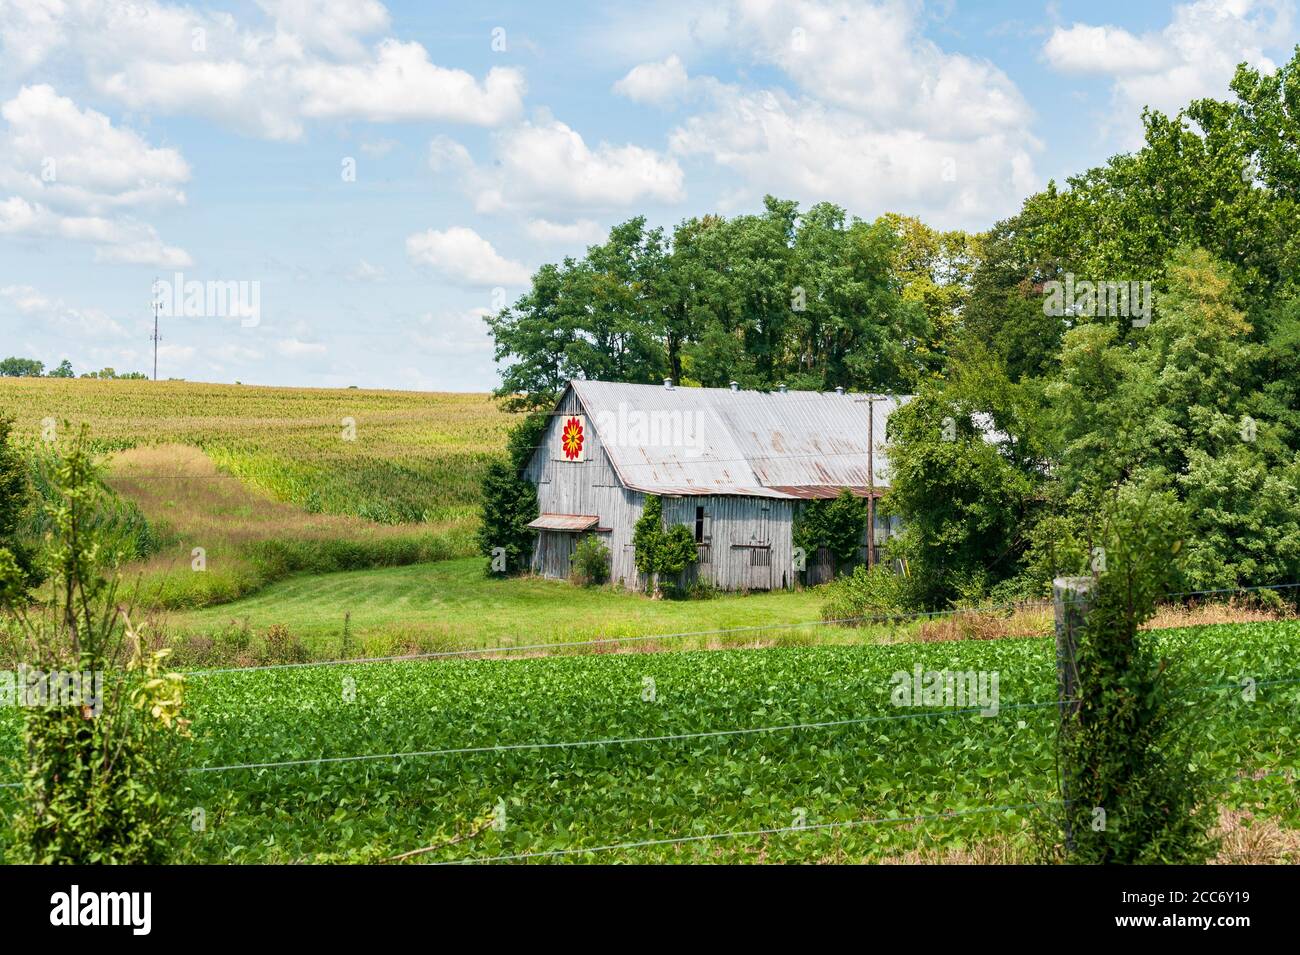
389 457
452 604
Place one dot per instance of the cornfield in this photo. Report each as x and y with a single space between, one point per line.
387 456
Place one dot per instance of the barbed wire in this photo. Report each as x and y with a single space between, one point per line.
622 741
747 833
722 631
699 734
600 641
802 828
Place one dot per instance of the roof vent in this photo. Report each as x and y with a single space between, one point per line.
668 384
781 387
735 386
839 389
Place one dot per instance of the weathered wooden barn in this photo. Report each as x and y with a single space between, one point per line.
732 465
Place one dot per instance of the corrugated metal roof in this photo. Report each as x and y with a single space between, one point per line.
564 522
795 444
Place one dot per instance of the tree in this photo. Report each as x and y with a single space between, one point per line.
836 524
1137 792
510 502
63 371
21 368
17 500
661 552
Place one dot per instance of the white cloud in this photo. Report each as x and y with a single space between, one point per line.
330 25
463 256
1084 49
545 165
1194 56
363 271
807 150
875 61
77 158
876 116
581 232
53 314
401 85
70 173
656 83
309 60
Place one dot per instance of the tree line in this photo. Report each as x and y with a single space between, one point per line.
1033 412
31 368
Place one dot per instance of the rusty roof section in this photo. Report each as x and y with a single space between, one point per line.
694 441
565 522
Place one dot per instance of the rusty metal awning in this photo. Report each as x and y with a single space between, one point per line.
576 523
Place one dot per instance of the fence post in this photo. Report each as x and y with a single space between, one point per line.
1072 598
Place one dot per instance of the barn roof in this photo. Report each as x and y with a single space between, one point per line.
796 444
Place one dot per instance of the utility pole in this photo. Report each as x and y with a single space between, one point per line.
871 479
155 337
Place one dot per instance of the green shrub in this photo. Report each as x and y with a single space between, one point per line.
101 770
661 553
865 593
590 562
1135 789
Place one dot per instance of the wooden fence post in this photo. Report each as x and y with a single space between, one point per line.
1072 598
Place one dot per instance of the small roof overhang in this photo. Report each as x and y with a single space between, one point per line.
576 523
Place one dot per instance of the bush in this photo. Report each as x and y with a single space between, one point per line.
836 524
1127 752
661 553
865 593
590 562
509 505
102 766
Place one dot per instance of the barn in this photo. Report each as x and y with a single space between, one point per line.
732 465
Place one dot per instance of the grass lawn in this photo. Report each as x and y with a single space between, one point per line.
452 604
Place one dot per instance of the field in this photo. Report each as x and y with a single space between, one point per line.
679 751
453 604
405 457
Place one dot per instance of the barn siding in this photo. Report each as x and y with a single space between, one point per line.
738 526
581 487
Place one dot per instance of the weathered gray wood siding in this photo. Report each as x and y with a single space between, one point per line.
581 487
747 540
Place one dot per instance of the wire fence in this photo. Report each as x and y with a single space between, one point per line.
852 621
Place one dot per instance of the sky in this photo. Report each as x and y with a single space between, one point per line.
351 186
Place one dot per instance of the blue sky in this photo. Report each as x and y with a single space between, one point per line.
142 139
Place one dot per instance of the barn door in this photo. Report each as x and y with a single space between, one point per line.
760 553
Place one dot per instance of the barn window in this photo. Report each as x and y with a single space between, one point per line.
699 525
